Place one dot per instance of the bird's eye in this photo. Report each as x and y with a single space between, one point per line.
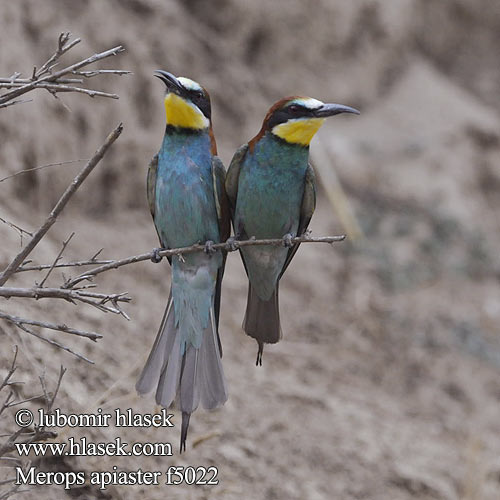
294 108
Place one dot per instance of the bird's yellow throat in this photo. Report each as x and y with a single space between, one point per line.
298 131
181 113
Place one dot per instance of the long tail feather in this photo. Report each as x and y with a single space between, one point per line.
193 376
202 377
262 320
160 351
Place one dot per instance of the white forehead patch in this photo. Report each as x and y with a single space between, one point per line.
308 102
189 84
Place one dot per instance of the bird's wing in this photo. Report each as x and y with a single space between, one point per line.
232 176
224 220
221 202
306 211
151 184
151 192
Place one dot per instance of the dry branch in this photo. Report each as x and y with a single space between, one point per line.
51 326
20 230
54 82
70 191
56 260
230 245
40 167
79 263
39 433
98 300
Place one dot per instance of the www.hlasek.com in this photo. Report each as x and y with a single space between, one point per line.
83 447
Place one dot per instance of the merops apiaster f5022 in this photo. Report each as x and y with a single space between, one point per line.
271 190
188 203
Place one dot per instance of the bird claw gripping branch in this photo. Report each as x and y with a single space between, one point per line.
156 255
209 248
232 244
288 240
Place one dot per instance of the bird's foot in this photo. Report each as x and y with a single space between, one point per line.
209 248
259 354
288 240
156 255
232 244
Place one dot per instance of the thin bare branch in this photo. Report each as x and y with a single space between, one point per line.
40 433
12 103
53 342
56 260
51 326
62 47
51 219
11 370
20 230
80 263
53 77
98 300
7 83
96 72
230 245
40 167
56 87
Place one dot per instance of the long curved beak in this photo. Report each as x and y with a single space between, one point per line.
334 109
169 80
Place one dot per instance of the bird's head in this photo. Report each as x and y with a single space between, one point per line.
296 119
187 103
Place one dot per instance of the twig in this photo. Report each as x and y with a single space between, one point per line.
98 300
53 342
37 79
230 245
70 191
51 326
7 83
39 434
62 47
56 260
90 74
20 230
20 172
80 263
56 87
11 103
11 370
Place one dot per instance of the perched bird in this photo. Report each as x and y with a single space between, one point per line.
188 203
271 190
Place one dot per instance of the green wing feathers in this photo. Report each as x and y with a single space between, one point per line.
233 174
221 201
151 184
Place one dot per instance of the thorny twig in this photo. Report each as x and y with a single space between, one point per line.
53 81
70 191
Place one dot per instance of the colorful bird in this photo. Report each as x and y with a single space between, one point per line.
271 190
188 203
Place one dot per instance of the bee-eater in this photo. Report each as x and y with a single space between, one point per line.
271 190
188 203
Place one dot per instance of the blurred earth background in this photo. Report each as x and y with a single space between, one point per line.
387 382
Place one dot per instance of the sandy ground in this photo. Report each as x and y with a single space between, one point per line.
386 384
